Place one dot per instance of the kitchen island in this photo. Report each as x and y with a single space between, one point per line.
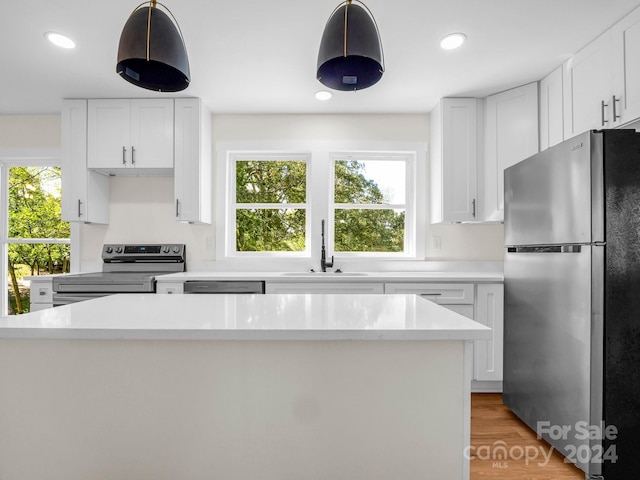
237 387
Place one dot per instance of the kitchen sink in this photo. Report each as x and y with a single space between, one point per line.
325 274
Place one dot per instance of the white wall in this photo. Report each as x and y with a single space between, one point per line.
142 208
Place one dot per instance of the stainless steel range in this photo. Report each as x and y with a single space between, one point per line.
125 269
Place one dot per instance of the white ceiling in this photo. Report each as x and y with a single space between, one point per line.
259 56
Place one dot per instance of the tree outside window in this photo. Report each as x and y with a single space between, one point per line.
38 240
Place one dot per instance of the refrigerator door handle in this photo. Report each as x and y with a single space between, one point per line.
546 249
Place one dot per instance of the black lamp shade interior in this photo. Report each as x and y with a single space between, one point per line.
362 66
167 67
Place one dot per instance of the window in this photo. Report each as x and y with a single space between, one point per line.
269 203
274 202
370 208
35 241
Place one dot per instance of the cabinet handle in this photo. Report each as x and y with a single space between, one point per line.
473 208
615 114
602 107
133 155
430 294
79 212
124 153
177 207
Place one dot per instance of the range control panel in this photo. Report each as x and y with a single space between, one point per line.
157 252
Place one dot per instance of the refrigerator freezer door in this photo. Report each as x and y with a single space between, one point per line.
548 197
548 342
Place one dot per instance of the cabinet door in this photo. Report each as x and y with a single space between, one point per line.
587 88
626 48
454 160
551 114
109 128
511 136
192 172
151 133
488 353
85 194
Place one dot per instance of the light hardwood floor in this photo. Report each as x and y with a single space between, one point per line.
496 430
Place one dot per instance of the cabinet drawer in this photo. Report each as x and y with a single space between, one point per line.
41 293
444 293
170 288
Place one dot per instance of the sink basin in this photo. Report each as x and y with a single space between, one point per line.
325 274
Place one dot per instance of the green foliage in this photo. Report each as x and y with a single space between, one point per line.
34 212
283 229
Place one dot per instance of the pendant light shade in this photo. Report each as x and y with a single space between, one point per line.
350 56
151 53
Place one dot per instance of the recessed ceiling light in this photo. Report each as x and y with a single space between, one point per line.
60 40
453 40
323 95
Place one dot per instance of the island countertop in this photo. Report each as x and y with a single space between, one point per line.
247 317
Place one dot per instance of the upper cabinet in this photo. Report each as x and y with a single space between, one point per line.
588 78
511 135
125 135
551 110
192 175
454 156
625 36
85 193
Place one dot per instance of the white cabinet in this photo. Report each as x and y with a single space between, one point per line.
324 287
85 194
625 100
126 135
511 129
488 353
587 79
458 297
454 154
192 173
40 293
551 110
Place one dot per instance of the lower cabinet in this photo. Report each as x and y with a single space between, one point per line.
41 293
487 365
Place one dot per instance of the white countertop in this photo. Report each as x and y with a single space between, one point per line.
282 277
247 317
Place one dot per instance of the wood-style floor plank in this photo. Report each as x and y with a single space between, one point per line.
496 430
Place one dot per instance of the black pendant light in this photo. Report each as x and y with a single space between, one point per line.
350 56
151 53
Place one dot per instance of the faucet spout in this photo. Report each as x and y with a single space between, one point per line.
323 254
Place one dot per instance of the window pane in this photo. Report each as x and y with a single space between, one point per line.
370 181
270 230
27 260
271 181
377 230
34 203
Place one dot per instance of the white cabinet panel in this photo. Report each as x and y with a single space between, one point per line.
130 134
85 194
551 110
443 293
192 173
454 159
511 129
626 48
488 353
587 78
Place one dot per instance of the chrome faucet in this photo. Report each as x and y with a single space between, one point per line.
323 254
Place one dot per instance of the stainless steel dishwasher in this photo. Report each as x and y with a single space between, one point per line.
223 286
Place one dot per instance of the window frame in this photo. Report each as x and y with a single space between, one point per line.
25 158
234 156
409 205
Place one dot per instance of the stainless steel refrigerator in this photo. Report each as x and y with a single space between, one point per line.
572 299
